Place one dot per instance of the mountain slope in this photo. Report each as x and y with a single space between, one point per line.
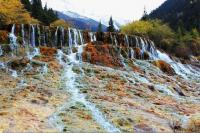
80 22
179 12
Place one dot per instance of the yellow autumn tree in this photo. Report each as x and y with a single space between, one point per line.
12 11
61 22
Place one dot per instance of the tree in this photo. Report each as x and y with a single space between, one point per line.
145 15
12 11
100 27
27 4
45 15
60 22
111 27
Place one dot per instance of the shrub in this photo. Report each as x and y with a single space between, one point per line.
60 22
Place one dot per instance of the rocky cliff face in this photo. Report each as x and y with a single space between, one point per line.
93 82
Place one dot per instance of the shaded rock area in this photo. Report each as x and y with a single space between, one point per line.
102 54
164 66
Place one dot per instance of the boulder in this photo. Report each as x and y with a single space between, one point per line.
164 66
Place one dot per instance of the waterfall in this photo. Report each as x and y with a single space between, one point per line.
127 40
142 46
56 37
153 51
39 35
23 35
33 36
34 53
112 40
132 53
115 40
13 39
1 51
75 37
70 39
137 42
92 37
45 37
69 80
81 37
180 68
63 37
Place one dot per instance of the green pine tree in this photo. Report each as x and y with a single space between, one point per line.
111 27
145 15
44 15
100 27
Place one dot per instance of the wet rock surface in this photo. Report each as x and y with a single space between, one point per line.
134 97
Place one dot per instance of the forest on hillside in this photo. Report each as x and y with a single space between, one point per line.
184 14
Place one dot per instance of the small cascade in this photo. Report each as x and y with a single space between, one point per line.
137 42
23 35
1 51
164 89
39 35
2 65
69 80
142 47
43 69
62 42
13 39
127 40
45 36
132 53
180 68
112 40
56 37
70 40
31 55
33 36
13 73
81 37
75 37
115 40
153 51
92 37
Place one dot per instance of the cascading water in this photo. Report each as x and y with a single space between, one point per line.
179 68
132 53
33 36
31 55
92 37
63 37
1 51
13 39
70 40
69 80
81 37
127 40
137 42
56 37
39 35
115 40
23 35
75 33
